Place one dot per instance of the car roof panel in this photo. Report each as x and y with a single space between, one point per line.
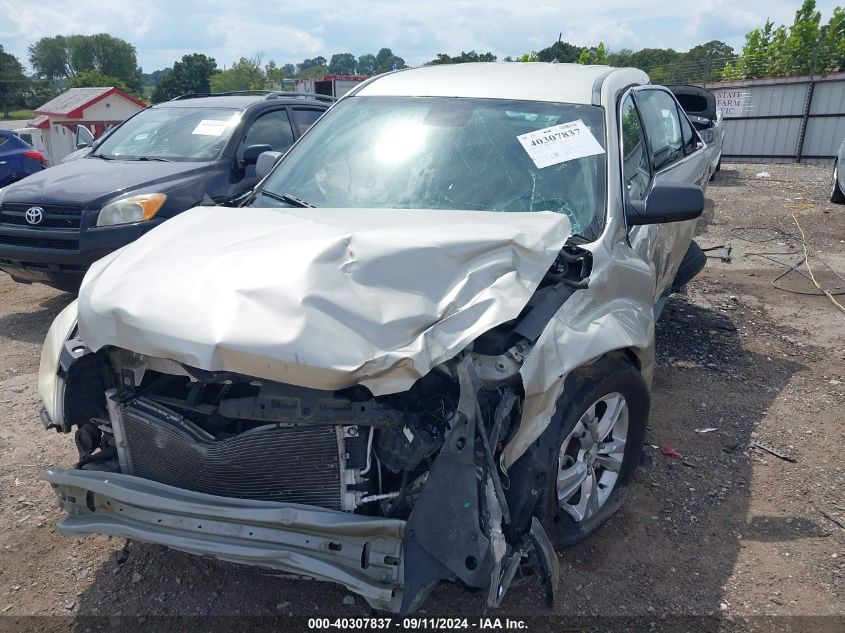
533 81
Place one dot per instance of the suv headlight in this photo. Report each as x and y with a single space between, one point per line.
132 209
51 386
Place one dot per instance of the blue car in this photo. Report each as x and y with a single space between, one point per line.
17 159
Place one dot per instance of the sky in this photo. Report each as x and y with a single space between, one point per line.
162 31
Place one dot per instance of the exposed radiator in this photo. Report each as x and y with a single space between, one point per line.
273 463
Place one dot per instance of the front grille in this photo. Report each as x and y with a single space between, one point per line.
271 463
39 242
54 216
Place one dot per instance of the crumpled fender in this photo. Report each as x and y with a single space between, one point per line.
615 312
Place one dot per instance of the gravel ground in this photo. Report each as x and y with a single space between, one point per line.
729 531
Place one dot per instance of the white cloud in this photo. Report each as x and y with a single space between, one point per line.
164 30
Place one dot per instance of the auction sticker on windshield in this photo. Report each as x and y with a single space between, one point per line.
210 127
560 143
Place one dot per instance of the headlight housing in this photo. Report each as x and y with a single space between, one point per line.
131 209
51 386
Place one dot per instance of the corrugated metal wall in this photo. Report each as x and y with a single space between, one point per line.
783 119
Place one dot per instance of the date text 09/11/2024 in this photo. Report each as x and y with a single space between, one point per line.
417 624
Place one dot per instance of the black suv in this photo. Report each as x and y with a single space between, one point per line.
194 150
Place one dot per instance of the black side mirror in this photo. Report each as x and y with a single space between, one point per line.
252 153
666 203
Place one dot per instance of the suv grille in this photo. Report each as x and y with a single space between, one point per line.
54 216
37 242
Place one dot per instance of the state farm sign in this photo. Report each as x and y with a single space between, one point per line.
733 102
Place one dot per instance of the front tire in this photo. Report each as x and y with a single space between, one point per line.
598 432
836 195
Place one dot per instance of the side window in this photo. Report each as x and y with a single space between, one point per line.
660 116
272 129
689 134
636 172
3 140
303 119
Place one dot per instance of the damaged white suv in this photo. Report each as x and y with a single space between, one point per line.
421 351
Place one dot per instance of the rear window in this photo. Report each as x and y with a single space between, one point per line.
692 103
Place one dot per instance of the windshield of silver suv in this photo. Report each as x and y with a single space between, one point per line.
171 133
449 153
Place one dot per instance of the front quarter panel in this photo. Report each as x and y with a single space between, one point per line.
614 312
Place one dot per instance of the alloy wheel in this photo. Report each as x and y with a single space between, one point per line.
590 457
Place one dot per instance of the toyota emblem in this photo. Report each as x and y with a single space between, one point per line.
34 215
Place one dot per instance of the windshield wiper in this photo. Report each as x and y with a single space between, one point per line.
103 156
288 198
155 158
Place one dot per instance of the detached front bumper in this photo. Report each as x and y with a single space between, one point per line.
364 554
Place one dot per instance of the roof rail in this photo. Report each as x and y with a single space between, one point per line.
304 95
266 94
233 93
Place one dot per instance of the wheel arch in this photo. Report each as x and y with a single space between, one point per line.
575 338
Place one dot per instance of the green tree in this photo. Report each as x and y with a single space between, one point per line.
804 47
705 61
245 74
529 57
274 75
367 65
154 78
305 69
289 70
314 72
50 58
754 59
62 57
387 61
343 64
38 92
464 57
95 79
594 55
804 40
563 52
834 41
191 75
13 82
601 54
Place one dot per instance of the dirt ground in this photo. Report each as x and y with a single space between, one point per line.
729 531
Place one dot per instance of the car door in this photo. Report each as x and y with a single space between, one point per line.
675 155
270 127
5 159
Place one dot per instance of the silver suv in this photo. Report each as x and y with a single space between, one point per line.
423 349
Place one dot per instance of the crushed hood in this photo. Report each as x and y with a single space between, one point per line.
323 298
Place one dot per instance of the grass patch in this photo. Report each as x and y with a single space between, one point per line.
20 115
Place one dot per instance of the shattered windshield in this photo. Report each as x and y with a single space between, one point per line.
449 153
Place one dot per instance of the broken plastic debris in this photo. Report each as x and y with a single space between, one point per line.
764 174
668 451
708 429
